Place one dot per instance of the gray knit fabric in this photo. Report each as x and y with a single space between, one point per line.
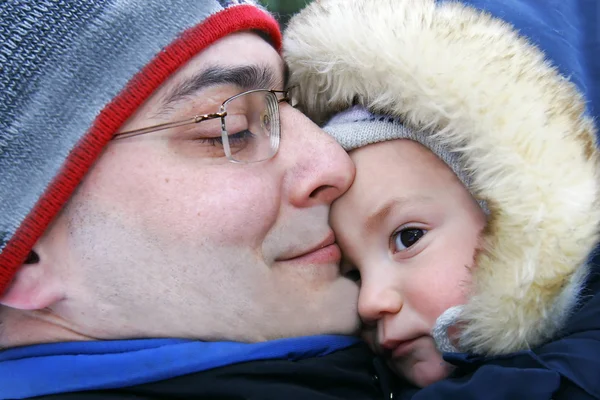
439 332
61 62
357 127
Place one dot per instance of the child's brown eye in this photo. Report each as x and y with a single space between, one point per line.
405 238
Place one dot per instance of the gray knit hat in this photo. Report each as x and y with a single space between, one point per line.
71 72
357 127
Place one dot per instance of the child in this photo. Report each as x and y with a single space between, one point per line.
475 207
411 227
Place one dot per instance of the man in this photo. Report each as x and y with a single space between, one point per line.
156 185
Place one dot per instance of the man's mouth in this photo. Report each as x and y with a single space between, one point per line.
325 251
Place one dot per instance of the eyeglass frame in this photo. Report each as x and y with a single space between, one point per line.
222 113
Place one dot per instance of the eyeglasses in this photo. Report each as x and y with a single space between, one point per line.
249 129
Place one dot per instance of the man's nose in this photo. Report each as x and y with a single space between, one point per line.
320 170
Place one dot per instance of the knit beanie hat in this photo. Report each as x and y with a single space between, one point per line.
357 127
71 73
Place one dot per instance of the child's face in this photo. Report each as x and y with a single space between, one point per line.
411 228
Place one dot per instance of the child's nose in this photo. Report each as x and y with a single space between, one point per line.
377 300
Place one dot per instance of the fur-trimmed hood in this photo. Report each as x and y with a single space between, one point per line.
519 125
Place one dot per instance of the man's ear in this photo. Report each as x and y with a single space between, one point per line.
34 287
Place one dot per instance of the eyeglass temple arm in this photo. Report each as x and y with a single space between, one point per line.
194 120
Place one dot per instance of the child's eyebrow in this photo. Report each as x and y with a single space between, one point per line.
382 211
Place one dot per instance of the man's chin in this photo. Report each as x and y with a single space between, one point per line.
331 309
341 311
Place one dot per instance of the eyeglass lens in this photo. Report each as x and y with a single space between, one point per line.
252 126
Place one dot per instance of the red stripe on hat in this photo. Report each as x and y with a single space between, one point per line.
110 119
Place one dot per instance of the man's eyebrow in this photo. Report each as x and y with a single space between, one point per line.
246 77
382 211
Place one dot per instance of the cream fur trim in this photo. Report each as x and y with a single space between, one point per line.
519 125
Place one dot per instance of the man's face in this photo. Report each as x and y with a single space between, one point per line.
160 240
411 228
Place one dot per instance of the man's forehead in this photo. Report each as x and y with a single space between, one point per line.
234 50
244 60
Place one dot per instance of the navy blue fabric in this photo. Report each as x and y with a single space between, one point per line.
567 368
76 366
567 31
